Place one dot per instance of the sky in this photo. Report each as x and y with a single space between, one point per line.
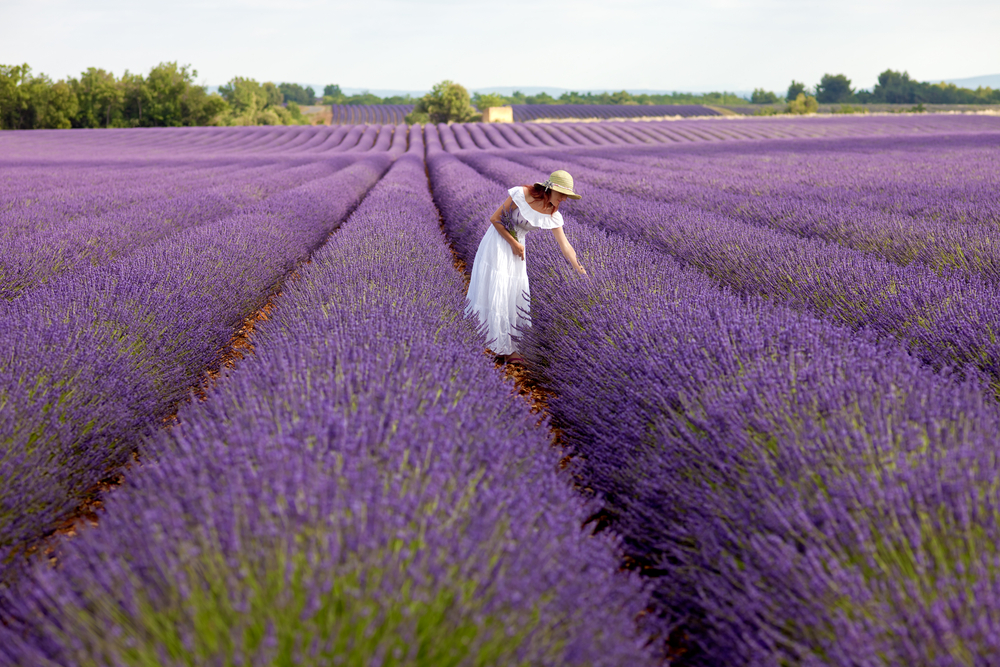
575 44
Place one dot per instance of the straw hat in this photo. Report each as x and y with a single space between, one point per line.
560 181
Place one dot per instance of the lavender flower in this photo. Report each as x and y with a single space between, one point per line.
332 500
97 357
776 387
796 488
509 220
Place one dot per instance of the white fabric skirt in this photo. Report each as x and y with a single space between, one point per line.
498 292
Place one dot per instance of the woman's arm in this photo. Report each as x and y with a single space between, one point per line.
516 248
567 249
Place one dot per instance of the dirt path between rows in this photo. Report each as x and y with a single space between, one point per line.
675 649
239 347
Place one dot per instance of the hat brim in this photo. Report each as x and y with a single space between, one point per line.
558 188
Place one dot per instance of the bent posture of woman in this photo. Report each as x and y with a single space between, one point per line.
498 291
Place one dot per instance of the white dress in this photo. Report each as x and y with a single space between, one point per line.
498 290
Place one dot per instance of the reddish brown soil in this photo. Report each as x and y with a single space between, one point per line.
92 501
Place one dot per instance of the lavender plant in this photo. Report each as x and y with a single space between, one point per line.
54 245
508 218
93 362
947 320
757 384
333 499
797 490
812 189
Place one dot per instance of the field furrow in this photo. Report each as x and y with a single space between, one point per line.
90 366
949 224
763 426
57 246
795 490
947 321
335 493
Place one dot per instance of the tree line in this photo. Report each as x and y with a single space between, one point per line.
169 96
166 97
892 88
333 95
484 100
450 102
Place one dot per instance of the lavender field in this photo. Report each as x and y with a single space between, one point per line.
774 397
347 114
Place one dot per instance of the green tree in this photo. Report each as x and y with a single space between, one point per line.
274 98
834 88
332 94
802 104
34 102
761 96
244 96
293 92
542 98
174 99
398 99
485 101
168 96
100 99
135 100
863 96
795 88
573 97
362 98
898 88
252 103
895 88
622 97
447 102
296 113
55 105
14 96
165 86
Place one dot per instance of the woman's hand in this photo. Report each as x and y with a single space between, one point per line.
518 249
567 250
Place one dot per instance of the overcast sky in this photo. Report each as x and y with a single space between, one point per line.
576 44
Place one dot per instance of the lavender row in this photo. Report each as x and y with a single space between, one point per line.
66 246
90 365
110 184
927 200
30 183
654 135
198 144
945 177
29 203
948 321
362 490
798 493
359 114
210 143
525 112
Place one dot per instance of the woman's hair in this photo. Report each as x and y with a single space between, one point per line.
545 194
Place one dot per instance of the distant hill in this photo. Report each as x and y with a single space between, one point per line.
986 81
989 80
554 91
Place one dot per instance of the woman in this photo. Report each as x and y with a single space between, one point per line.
498 291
